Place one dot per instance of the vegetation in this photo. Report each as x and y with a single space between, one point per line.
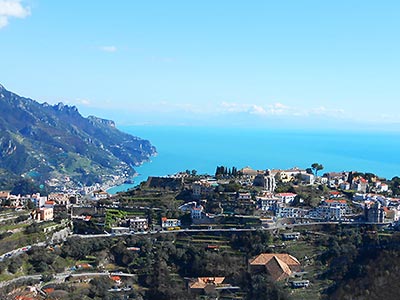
42 141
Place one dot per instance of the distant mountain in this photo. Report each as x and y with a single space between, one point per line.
56 143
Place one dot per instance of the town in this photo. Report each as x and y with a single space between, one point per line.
282 206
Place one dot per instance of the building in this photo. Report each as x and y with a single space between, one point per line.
43 214
300 283
290 212
38 200
99 195
307 178
249 173
211 285
332 209
375 212
360 185
290 235
58 198
243 196
266 181
268 203
203 187
278 266
138 224
197 212
169 223
4 195
286 197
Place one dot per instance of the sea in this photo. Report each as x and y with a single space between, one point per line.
182 148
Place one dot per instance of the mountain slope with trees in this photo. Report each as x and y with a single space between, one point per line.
45 141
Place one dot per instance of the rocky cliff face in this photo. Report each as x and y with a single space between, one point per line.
45 141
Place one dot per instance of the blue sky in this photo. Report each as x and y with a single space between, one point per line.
293 63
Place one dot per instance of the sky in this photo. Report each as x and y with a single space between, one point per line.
293 63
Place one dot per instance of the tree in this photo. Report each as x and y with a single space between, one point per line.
316 167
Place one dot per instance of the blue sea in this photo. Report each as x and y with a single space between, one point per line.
203 149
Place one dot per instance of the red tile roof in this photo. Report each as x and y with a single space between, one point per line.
278 265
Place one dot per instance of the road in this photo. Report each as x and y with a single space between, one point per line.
64 275
207 230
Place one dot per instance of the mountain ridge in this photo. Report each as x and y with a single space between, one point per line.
46 142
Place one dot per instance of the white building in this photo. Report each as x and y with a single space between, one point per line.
170 223
138 224
286 197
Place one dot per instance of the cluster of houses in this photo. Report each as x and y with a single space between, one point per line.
288 205
46 208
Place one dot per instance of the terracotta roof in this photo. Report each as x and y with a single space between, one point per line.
279 266
264 258
277 269
202 282
335 201
286 194
115 278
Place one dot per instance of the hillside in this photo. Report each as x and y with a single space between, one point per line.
45 142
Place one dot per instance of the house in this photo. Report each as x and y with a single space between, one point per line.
294 172
249 173
300 283
58 198
43 214
281 176
381 187
286 197
360 185
138 224
169 223
14 200
38 200
203 187
290 212
206 284
116 279
307 178
268 203
243 196
99 195
49 203
197 212
332 209
334 194
290 235
4 195
345 186
278 265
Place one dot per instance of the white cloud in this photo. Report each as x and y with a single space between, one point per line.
279 109
85 102
12 9
108 48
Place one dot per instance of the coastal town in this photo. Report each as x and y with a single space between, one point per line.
286 204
